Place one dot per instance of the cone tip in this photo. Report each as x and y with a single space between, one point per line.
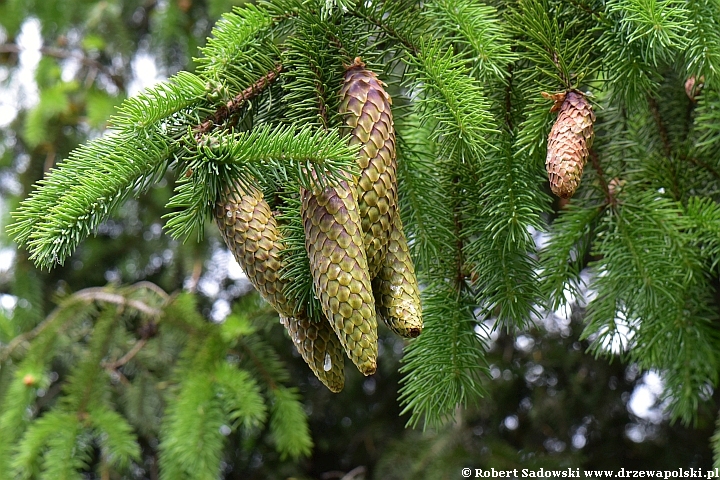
357 63
335 388
368 370
414 332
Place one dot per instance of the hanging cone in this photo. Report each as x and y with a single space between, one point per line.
569 142
250 231
365 107
319 347
333 238
396 288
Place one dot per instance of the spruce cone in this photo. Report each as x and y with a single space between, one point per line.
693 87
333 238
319 347
396 287
569 143
366 109
250 231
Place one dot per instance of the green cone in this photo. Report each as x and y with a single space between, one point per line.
333 239
319 347
396 288
365 107
250 231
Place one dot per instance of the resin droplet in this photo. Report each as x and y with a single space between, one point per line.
328 363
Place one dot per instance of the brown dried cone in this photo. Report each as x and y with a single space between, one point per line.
569 143
396 288
333 239
250 231
319 347
366 109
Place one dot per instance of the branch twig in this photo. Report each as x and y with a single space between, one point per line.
86 296
127 357
384 25
233 105
92 294
655 110
601 176
704 165
67 54
151 286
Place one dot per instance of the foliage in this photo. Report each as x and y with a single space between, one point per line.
259 106
195 370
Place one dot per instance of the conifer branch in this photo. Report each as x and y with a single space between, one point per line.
266 375
162 103
29 336
563 258
455 103
232 53
703 52
145 285
696 161
320 98
385 26
84 381
459 247
288 424
284 154
585 8
471 133
84 191
443 366
477 31
560 53
425 217
296 264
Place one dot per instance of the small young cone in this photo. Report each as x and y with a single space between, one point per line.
396 288
319 347
333 239
693 87
569 143
250 231
365 107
